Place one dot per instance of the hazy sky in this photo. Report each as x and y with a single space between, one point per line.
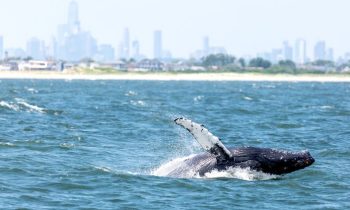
241 26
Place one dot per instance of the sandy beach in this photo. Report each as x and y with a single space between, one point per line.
169 76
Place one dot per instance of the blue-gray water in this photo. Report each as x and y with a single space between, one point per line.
95 144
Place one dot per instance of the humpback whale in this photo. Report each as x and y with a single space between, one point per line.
220 158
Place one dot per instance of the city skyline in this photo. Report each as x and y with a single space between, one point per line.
144 42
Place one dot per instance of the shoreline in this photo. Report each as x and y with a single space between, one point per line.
174 76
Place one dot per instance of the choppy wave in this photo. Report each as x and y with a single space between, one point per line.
22 105
231 172
9 105
67 145
138 103
131 93
30 107
327 107
247 98
32 90
198 98
6 144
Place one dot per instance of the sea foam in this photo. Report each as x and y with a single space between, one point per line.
30 107
231 172
9 105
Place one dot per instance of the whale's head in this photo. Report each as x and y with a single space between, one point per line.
282 162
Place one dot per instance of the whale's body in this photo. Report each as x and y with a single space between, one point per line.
271 161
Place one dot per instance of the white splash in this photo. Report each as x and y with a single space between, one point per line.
9 105
7 144
138 103
232 172
32 90
67 145
327 107
240 173
131 93
103 168
247 98
198 98
30 107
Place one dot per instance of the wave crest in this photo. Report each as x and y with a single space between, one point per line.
21 105
30 107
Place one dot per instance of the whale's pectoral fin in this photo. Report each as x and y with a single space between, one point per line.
207 140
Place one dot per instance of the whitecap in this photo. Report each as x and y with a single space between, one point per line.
327 107
32 90
103 168
30 107
7 144
67 145
9 105
113 171
138 103
247 98
198 98
130 93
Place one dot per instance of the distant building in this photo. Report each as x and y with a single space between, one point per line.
300 51
206 46
126 44
135 50
35 48
9 66
73 18
72 43
167 55
330 54
217 50
1 48
14 53
116 65
36 65
51 49
106 53
287 51
320 51
157 47
151 64
276 55
80 46
207 50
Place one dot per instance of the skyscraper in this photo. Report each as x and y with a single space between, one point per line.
320 51
34 48
126 44
73 17
135 50
1 47
79 46
300 51
106 51
157 47
287 51
74 44
330 54
206 46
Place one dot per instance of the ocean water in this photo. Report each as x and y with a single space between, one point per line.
104 144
